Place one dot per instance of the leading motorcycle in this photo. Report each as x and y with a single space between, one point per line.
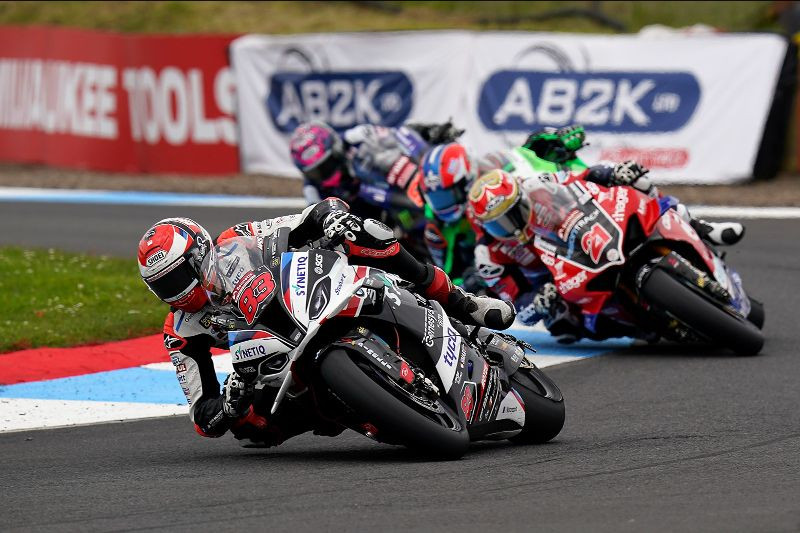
372 355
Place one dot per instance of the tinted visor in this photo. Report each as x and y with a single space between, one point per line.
174 284
509 224
323 170
446 202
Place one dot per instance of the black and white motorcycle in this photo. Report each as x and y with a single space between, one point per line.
376 357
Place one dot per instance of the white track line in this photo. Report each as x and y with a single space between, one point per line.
731 211
32 194
85 196
23 414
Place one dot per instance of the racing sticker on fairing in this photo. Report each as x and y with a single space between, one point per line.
253 293
449 358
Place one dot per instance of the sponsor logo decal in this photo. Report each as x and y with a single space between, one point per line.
618 102
450 347
619 204
401 172
342 99
245 354
572 283
339 285
433 323
649 157
299 285
158 256
468 399
173 342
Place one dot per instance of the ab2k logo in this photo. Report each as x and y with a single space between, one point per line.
619 102
341 99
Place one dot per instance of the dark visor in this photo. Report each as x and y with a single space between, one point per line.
323 171
175 284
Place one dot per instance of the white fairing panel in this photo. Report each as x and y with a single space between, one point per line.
512 408
451 351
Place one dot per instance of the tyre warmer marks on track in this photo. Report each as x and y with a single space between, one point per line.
53 387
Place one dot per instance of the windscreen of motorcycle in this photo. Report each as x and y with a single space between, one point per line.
237 279
550 203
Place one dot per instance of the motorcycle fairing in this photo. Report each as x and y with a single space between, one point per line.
590 240
251 350
672 227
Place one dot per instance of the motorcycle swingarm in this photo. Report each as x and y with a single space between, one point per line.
374 350
676 264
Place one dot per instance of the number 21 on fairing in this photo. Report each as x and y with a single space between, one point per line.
594 241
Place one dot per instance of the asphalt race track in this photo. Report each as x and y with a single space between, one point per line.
658 438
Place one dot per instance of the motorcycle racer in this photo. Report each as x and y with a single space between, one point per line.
511 210
367 166
448 170
170 256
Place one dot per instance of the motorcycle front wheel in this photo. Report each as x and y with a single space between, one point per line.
701 315
544 406
431 430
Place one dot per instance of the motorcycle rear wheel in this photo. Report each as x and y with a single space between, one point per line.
380 407
701 315
544 409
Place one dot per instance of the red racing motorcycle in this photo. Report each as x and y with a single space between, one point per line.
626 262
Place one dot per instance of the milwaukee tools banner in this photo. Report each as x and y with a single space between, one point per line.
106 101
692 108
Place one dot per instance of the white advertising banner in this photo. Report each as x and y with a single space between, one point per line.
691 108
344 80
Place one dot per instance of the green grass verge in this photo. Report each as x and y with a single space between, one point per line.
298 17
52 298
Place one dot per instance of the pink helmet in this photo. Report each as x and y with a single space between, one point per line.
317 150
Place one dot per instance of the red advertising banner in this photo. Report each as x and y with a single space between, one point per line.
107 101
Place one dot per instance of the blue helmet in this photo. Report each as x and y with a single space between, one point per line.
447 171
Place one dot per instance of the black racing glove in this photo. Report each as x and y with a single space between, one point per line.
340 224
437 133
557 146
238 396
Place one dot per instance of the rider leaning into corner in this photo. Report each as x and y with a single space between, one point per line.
170 256
370 167
511 209
448 170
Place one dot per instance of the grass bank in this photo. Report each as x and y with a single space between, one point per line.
51 298
299 17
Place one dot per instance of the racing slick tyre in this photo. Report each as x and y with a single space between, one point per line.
756 315
368 393
701 315
544 406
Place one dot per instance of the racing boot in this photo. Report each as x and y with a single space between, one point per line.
719 233
466 307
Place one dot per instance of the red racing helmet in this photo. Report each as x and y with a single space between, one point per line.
170 254
498 204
